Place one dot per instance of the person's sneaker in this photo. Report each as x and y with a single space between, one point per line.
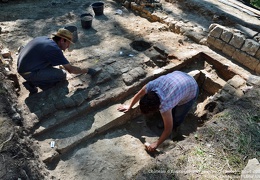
30 87
93 72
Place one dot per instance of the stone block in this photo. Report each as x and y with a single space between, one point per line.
226 35
110 61
247 31
124 70
216 31
257 69
212 26
211 40
48 109
68 102
251 62
112 71
230 89
238 56
250 47
228 50
245 59
103 78
238 93
140 71
219 44
253 80
224 96
257 55
93 92
237 81
128 79
251 171
237 40
60 105
78 99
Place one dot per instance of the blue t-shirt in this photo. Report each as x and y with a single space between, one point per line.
40 53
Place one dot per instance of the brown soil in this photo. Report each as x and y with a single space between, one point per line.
214 146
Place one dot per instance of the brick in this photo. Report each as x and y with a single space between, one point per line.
237 81
68 102
60 105
226 35
228 88
212 26
140 71
257 69
257 55
93 92
216 31
237 40
219 44
228 50
254 80
211 40
250 47
238 56
250 62
124 70
103 78
78 99
48 109
127 79
245 59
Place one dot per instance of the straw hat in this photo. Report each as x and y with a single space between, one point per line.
64 33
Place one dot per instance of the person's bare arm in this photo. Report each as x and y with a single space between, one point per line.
136 98
168 124
74 69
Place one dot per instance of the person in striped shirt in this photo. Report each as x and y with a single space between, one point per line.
173 95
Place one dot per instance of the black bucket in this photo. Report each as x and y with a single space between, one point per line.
98 8
86 20
73 30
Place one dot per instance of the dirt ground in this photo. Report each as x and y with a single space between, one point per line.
217 147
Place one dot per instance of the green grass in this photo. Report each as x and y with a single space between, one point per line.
256 3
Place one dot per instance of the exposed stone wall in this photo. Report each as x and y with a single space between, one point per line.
234 43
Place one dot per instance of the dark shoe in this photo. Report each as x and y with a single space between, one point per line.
30 87
93 72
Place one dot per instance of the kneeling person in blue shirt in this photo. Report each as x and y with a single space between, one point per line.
173 95
36 60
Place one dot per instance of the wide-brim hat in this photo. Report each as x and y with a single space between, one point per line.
64 33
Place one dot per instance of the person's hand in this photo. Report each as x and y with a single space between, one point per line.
123 108
151 147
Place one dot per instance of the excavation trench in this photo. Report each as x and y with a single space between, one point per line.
88 128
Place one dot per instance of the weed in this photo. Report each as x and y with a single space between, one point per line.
256 3
181 161
199 151
234 161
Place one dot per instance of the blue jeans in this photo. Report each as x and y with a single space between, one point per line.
46 78
179 112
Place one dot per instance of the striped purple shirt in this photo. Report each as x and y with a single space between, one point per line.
173 89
